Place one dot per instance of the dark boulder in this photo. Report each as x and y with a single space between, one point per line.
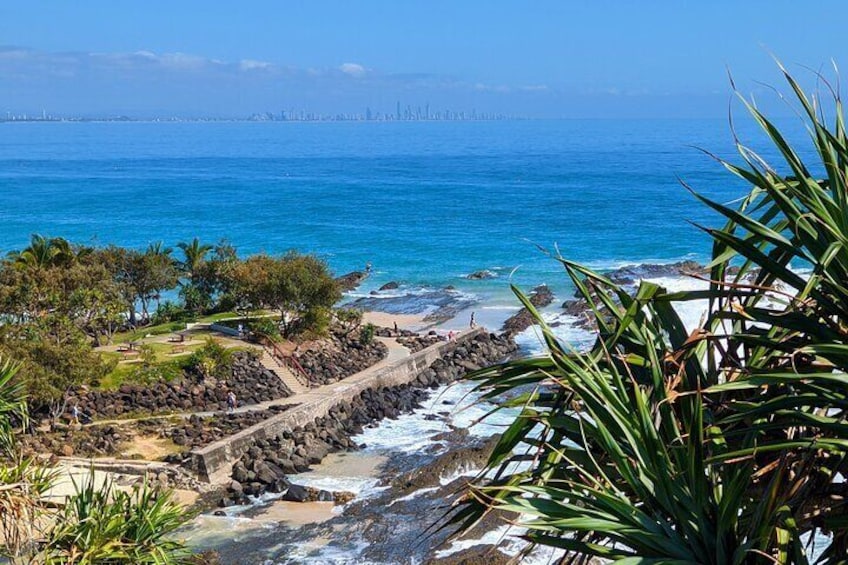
540 297
481 275
296 493
351 280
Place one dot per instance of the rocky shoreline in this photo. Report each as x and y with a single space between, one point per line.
339 357
403 522
266 465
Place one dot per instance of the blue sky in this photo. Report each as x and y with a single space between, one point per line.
538 59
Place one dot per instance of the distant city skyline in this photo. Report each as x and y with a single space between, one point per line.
405 113
544 59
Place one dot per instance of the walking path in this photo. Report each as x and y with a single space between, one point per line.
301 393
396 352
214 461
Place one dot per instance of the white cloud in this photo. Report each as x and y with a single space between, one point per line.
535 88
353 69
253 65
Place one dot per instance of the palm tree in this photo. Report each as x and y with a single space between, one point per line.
43 252
194 254
725 444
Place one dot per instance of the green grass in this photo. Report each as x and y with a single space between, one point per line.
123 371
161 329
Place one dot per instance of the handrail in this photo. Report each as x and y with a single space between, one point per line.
290 363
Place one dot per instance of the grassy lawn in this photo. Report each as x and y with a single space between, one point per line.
169 327
164 355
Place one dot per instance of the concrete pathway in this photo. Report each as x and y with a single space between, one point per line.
396 352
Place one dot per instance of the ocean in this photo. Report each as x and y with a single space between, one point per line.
426 203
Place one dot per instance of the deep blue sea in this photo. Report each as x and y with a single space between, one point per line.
424 202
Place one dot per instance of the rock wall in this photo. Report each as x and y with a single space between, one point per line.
265 465
359 400
250 382
342 357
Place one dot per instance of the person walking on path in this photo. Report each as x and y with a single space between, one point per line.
75 414
231 401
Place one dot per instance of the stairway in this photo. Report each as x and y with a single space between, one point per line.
286 375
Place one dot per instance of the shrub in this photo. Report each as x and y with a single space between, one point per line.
101 524
212 360
724 444
366 335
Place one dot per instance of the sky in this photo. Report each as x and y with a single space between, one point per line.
545 59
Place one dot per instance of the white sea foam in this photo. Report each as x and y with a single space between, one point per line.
414 494
362 487
347 554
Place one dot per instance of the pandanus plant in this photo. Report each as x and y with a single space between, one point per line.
725 443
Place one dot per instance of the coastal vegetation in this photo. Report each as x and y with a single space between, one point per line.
723 443
97 524
60 301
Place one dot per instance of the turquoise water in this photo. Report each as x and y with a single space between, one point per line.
425 203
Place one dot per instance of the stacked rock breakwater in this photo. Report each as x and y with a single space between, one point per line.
341 357
249 380
263 455
265 465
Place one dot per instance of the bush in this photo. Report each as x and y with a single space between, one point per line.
169 312
212 360
366 335
723 443
101 524
264 327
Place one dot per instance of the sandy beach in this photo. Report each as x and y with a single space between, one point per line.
413 322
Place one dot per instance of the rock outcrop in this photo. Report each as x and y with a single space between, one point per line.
540 297
339 358
351 281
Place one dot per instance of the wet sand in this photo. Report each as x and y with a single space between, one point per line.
338 471
411 322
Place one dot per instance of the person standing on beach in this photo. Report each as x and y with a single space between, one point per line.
396 330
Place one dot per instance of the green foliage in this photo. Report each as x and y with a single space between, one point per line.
150 370
23 510
299 287
212 360
723 445
366 336
101 524
264 328
170 312
142 277
13 408
349 319
55 356
194 254
194 298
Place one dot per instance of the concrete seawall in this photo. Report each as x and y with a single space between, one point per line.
214 462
